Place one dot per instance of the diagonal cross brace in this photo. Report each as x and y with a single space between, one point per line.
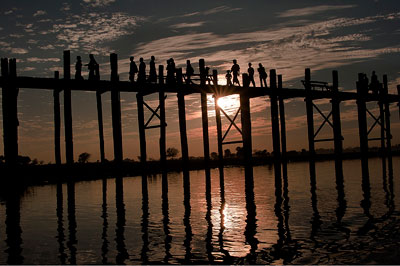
154 112
377 121
326 119
232 122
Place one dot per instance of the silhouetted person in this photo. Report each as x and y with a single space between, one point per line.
250 70
133 69
228 78
92 66
170 71
189 72
78 68
207 72
142 71
374 85
263 75
152 73
235 72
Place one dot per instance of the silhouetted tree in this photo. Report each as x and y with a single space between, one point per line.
214 155
83 157
172 152
227 153
239 152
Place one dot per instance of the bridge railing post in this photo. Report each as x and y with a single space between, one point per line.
69 145
116 110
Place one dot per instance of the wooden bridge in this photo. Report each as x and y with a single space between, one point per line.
312 90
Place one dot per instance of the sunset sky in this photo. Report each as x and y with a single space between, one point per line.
349 36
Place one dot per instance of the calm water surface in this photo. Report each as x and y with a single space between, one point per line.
130 221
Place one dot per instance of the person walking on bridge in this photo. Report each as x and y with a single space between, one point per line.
235 72
142 71
133 69
250 70
263 75
92 65
152 73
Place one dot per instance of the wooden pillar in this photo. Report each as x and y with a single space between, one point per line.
204 113
310 121
116 110
388 131
219 129
69 145
10 112
283 125
57 122
142 130
161 98
275 123
182 119
337 127
383 134
100 123
398 95
246 123
362 90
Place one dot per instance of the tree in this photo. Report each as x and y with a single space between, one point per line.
239 152
83 157
227 153
172 152
214 155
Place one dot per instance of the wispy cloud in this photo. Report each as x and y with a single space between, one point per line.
187 25
98 3
39 13
307 11
42 60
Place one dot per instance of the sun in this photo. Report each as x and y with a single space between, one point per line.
229 103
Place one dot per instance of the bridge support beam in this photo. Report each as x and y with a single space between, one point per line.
161 98
182 120
57 122
362 90
69 145
275 124
310 121
116 110
283 126
337 127
246 124
142 131
10 111
204 112
388 131
100 124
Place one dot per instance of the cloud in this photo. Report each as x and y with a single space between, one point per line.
39 13
88 31
221 9
42 60
187 25
98 3
307 11
65 7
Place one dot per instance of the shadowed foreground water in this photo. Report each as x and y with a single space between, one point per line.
229 216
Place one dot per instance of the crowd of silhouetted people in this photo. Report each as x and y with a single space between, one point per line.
138 74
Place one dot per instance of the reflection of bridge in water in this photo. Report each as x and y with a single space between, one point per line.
285 248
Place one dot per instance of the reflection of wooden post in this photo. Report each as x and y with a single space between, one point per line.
142 131
116 110
246 123
362 90
100 123
275 123
161 99
388 132
57 122
337 127
283 125
69 145
182 119
310 121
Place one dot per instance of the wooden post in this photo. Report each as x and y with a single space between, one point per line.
57 122
246 123
204 114
219 130
388 131
4 75
116 110
310 122
382 124
398 95
337 127
69 145
275 123
283 125
182 119
362 90
100 123
142 130
161 98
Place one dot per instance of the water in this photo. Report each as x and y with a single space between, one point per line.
119 221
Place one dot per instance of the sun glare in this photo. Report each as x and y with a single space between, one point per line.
229 103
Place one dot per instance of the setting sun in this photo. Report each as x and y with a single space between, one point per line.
229 103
